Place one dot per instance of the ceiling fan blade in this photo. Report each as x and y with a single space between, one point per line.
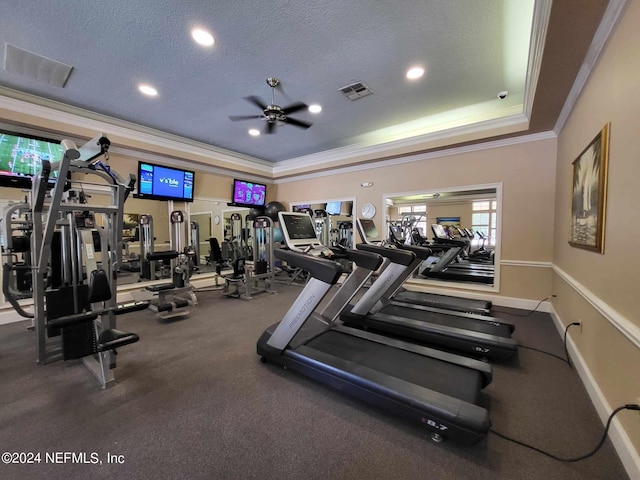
294 108
257 101
270 127
237 118
297 123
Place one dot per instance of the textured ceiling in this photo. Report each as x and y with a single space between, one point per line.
471 51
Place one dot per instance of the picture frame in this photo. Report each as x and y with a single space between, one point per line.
589 194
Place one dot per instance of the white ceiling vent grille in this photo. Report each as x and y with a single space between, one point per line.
355 91
35 67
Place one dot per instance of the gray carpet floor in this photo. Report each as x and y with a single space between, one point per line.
194 401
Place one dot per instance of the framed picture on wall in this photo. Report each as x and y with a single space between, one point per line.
589 194
455 221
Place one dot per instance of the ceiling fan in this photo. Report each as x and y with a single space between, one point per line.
272 113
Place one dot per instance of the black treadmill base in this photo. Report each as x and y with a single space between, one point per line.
430 419
457 304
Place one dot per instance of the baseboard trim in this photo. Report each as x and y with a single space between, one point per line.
621 441
622 323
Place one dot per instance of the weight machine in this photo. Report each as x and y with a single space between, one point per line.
248 280
16 253
74 261
174 299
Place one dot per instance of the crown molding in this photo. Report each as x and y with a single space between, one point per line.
609 21
24 103
536 137
539 26
351 153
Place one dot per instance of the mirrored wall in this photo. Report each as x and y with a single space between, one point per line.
461 226
333 219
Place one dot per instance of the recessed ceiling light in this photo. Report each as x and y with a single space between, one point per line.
202 37
254 132
415 72
315 108
148 90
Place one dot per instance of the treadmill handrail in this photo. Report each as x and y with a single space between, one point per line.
401 257
326 271
421 252
368 260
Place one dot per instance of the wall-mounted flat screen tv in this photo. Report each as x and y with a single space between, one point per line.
157 182
248 194
21 158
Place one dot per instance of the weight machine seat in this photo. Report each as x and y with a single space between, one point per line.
99 287
238 271
114 338
21 244
166 255
161 287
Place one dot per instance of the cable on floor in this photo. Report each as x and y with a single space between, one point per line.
571 459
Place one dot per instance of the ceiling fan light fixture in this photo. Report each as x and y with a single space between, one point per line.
202 37
315 108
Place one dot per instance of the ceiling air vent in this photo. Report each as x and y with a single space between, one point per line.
35 67
355 90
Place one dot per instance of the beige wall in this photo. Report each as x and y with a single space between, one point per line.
527 209
610 280
462 210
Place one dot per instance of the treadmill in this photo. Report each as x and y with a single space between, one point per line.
436 390
377 310
369 235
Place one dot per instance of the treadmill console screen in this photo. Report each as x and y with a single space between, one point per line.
299 227
369 228
395 234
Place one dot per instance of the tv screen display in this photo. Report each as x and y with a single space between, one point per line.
249 194
21 158
334 208
156 182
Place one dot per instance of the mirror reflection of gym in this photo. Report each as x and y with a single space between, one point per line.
465 220
333 220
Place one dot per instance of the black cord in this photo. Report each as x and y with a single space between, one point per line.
542 351
564 341
581 457
524 314
567 360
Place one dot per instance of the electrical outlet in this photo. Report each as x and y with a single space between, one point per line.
580 327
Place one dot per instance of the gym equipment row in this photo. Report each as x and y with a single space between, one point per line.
437 390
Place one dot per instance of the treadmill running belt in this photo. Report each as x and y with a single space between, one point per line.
433 299
430 373
475 325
